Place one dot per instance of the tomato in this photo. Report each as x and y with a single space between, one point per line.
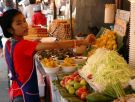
80 91
77 78
62 83
66 79
75 73
71 77
83 95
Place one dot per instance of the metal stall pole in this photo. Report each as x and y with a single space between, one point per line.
71 30
16 2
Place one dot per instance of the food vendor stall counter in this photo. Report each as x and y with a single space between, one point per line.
50 91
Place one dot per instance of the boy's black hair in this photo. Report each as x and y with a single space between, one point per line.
6 21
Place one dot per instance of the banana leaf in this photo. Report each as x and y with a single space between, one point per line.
101 31
119 41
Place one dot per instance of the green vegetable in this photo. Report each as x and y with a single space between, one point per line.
109 91
106 66
98 97
115 90
119 90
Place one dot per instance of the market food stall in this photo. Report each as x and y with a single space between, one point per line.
95 83
103 76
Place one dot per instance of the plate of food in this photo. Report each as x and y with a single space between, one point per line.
68 65
50 65
80 59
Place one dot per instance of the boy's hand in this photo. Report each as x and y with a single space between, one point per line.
90 38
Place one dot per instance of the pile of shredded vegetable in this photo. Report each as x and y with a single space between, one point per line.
106 66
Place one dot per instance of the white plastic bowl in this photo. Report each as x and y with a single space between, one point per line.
68 69
48 39
51 70
41 88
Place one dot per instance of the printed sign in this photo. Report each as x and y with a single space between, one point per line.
121 20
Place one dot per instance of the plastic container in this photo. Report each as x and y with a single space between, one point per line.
41 90
51 70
